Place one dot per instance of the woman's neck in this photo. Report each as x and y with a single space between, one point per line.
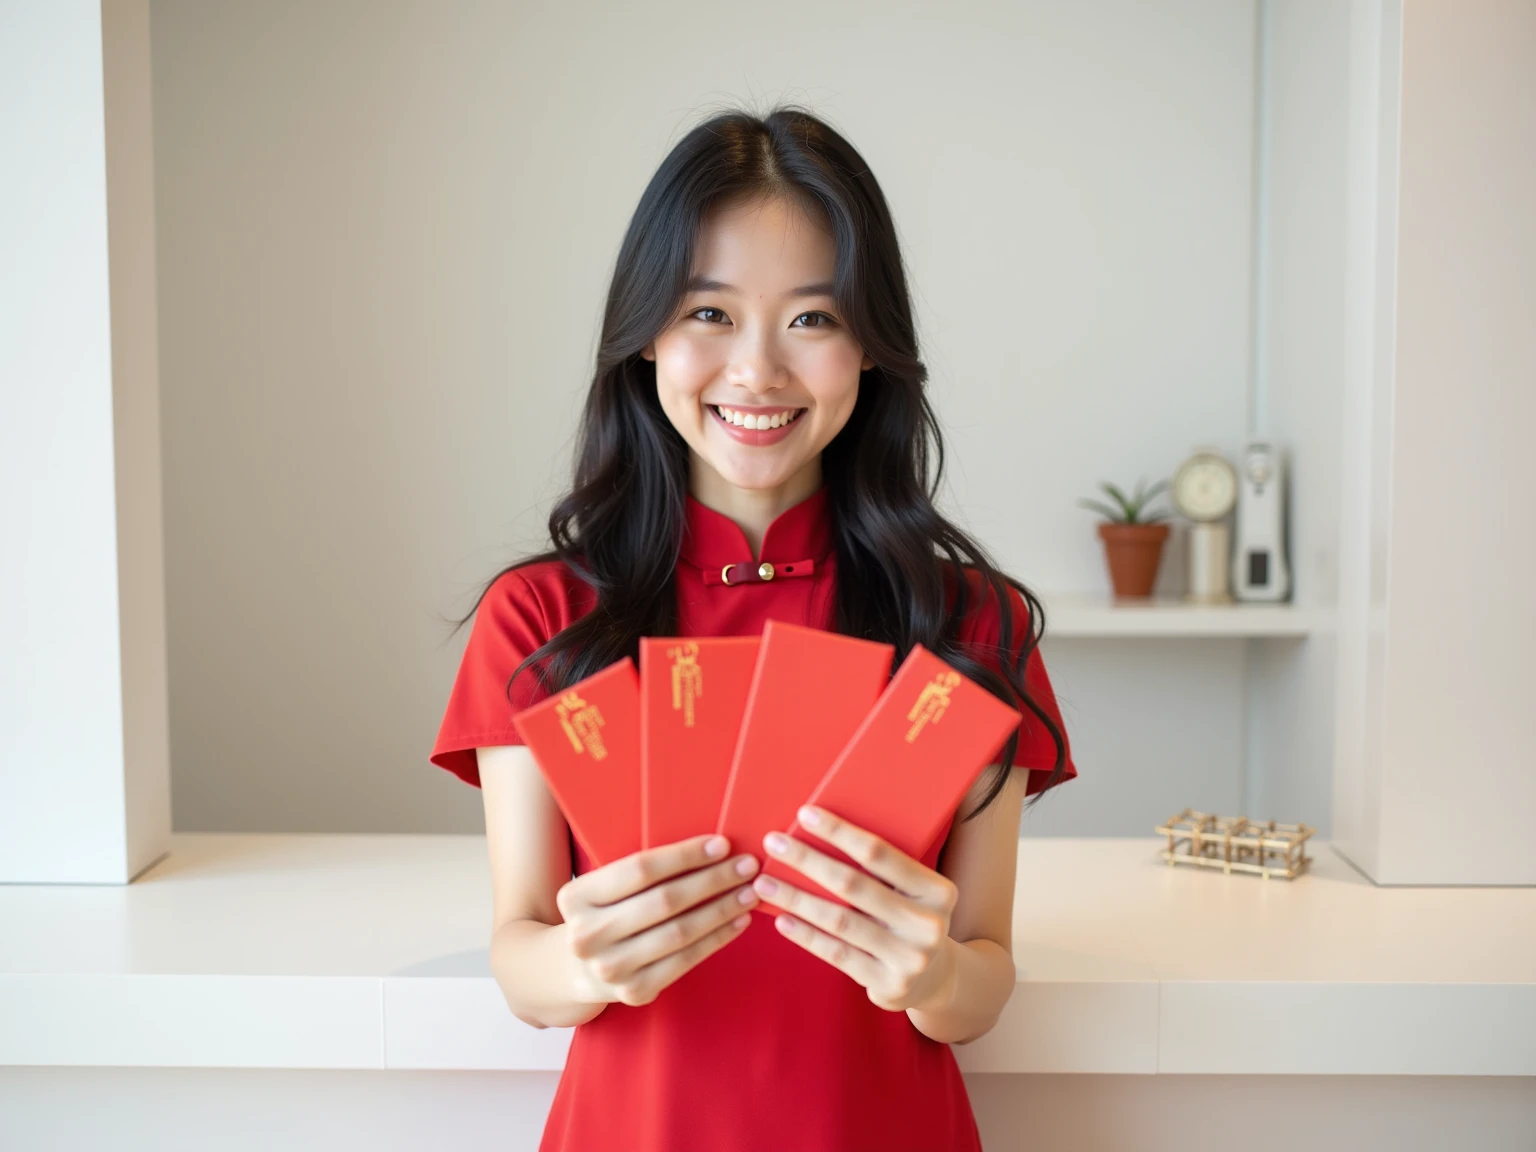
753 509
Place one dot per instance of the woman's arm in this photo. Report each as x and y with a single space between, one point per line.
527 839
981 858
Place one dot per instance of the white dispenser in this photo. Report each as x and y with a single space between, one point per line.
1260 570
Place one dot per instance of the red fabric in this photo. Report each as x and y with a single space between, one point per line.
762 1046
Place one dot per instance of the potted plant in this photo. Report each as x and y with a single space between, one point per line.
1133 540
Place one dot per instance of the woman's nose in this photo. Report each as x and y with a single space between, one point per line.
756 365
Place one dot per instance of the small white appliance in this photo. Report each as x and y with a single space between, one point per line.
1260 570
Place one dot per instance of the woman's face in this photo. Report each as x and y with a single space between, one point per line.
758 373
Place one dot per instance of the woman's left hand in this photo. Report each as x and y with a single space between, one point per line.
894 940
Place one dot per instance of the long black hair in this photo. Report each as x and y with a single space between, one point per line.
620 528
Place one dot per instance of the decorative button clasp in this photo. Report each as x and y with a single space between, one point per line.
743 572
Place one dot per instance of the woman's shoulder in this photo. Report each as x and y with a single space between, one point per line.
548 588
981 612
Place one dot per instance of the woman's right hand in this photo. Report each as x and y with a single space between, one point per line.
636 924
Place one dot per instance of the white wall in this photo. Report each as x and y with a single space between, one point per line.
1434 779
385 234
84 764
1300 389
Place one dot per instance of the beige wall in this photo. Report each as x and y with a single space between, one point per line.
1433 781
385 230
1455 679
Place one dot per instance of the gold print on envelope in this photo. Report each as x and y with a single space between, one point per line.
581 722
687 679
931 702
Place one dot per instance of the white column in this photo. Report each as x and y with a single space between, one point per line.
84 761
1435 776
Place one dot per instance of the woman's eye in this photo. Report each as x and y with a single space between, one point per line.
716 316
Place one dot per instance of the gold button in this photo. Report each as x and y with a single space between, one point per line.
725 574
765 570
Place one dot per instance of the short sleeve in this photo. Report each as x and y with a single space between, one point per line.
509 623
982 634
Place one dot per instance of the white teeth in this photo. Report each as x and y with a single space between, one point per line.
754 422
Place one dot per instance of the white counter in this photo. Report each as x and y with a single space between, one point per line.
363 951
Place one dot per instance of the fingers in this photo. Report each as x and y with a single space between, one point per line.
649 982
877 856
839 950
642 965
597 929
668 900
847 924
859 889
619 879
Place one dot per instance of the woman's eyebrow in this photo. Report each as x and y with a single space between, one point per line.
705 284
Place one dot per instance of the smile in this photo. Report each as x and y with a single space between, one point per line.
757 425
744 418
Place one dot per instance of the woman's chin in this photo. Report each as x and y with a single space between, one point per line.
752 475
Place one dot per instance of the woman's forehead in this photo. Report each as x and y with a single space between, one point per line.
769 245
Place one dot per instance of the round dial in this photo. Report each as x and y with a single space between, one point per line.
1205 486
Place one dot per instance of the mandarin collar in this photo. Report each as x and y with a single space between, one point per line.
801 532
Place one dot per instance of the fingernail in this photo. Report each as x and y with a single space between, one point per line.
747 896
765 886
715 846
745 865
809 817
777 842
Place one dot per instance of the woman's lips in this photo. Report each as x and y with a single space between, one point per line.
756 436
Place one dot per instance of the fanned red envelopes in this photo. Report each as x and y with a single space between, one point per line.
809 692
909 765
586 741
693 694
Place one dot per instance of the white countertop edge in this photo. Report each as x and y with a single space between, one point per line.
1382 1029
191 1021
462 1023
367 952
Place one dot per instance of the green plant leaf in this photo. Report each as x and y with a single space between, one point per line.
1110 514
1128 509
1145 496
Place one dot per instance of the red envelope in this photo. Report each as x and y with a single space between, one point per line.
810 691
586 741
693 694
910 764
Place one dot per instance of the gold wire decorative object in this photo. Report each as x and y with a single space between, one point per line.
1236 844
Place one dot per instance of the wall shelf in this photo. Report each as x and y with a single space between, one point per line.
1102 615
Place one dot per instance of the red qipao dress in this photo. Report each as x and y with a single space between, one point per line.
763 1045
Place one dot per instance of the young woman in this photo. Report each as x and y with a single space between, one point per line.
758 397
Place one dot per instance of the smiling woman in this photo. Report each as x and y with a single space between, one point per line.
758 408
745 364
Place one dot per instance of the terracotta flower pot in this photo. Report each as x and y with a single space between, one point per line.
1134 552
